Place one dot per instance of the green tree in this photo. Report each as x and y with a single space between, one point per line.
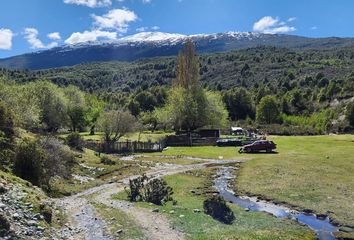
268 110
239 104
52 104
6 121
350 113
146 101
76 108
116 123
95 108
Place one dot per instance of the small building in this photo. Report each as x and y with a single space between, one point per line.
237 131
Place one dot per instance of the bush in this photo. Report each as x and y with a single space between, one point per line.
107 161
155 191
29 161
39 161
135 186
216 207
47 213
75 141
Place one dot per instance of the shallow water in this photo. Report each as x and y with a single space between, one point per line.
323 228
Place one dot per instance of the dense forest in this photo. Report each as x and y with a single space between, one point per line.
307 85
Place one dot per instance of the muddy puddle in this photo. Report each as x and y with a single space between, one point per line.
322 227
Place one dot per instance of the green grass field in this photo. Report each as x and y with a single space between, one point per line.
310 172
248 225
314 172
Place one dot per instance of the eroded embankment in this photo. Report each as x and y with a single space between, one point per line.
322 226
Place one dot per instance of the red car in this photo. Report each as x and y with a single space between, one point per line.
262 145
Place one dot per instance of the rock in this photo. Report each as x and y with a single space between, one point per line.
113 219
41 229
181 216
3 188
155 210
247 209
172 212
119 231
4 226
32 223
321 216
2 206
196 210
16 216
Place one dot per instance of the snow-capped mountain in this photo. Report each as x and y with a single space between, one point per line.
156 44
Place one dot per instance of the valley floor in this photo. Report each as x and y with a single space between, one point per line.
307 173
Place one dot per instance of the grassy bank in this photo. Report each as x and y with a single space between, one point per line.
90 172
248 225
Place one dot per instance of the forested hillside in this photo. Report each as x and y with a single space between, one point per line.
278 68
304 83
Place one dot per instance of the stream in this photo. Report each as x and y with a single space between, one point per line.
322 227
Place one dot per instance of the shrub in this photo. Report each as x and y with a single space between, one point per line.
46 211
350 113
135 186
75 141
29 161
107 161
155 191
39 161
216 207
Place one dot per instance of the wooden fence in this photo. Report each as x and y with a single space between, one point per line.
126 147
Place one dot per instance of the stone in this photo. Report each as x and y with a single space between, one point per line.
155 210
181 216
196 210
172 211
41 229
32 223
2 206
247 209
16 216
119 231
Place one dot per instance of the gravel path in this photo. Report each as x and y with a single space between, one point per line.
84 223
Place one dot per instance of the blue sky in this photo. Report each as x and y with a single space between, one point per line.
31 25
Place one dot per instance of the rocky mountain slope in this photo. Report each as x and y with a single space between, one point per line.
154 44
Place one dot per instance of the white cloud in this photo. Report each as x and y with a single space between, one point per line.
87 36
145 29
6 38
142 29
314 28
90 3
31 35
144 1
54 36
291 19
118 19
272 25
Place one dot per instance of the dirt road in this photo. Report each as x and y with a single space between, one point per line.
84 222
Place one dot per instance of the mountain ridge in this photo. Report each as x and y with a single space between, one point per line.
158 44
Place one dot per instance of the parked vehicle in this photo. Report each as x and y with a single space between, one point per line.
229 142
257 146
